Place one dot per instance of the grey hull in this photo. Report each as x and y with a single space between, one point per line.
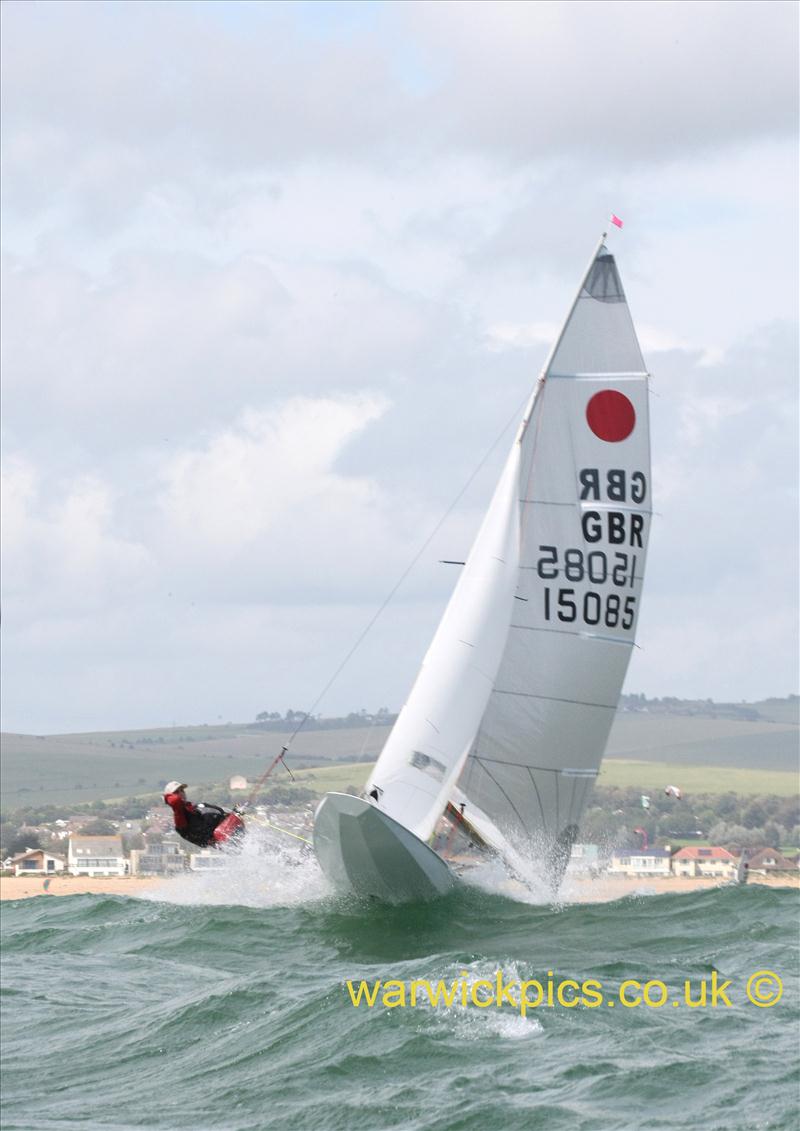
363 850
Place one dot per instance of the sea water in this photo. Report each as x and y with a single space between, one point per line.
222 1002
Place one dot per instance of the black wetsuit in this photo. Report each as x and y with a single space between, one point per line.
195 823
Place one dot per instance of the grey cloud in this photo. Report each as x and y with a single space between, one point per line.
646 81
145 353
113 99
175 91
724 552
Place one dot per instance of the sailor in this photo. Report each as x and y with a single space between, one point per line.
195 823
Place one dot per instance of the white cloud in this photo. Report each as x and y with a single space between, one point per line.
249 479
252 513
61 552
510 335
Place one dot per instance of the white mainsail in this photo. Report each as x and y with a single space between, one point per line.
518 690
585 515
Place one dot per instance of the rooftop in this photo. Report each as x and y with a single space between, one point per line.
701 852
34 852
95 846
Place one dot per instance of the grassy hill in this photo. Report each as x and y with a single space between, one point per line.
692 741
646 776
74 769
647 748
650 777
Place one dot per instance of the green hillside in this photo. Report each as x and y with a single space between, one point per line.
704 741
646 776
753 755
652 776
67 769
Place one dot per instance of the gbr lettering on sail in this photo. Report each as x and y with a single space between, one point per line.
596 584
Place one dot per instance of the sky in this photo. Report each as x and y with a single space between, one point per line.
277 278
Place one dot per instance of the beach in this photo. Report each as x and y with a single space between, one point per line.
23 887
603 889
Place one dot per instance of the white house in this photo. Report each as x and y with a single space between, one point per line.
584 858
206 860
36 862
699 860
162 858
96 856
641 862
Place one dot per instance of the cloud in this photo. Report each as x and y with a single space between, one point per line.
539 80
251 513
226 493
118 104
256 553
148 351
723 559
276 278
61 552
509 335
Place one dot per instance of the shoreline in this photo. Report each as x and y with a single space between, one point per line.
603 889
25 887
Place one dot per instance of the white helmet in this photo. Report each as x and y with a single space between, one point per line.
174 786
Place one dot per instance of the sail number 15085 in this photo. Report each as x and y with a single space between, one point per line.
592 608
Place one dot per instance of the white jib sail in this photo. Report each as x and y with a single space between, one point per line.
518 689
436 728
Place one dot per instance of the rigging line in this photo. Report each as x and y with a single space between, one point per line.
508 799
543 769
555 699
587 785
254 791
538 798
408 569
286 832
572 800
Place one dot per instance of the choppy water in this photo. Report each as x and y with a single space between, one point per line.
228 1010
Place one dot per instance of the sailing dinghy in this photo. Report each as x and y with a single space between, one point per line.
503 733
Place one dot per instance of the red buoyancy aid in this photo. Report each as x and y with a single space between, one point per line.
229 827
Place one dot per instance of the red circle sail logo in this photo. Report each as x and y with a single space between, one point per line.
611 416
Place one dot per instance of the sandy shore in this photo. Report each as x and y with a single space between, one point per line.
575 890
606 887
22 887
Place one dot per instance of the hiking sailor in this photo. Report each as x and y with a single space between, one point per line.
200 824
